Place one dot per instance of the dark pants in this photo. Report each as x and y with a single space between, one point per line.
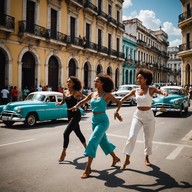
4 101
73 125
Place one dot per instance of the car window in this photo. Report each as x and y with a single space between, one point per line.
173 91
51 99
35 97
59 99
125 88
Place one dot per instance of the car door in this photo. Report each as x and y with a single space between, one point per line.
61 109
51 111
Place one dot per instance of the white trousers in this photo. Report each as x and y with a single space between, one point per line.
145 120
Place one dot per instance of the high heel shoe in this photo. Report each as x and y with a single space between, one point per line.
62 157
116 160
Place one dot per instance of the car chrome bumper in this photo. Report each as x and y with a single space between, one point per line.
165 109
9 118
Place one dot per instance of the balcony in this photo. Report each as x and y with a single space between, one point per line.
36 30
77 3
7 23
102 15
90 7
185 49
91 46
101 49
185 18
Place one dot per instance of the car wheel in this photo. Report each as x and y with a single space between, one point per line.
110 103
31 119
154 113
8 123
85 107
186 110
181 111
132 102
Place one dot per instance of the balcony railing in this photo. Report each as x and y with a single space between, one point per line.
102 49
186 46
185 15
80 2
34 29
7 21
90 5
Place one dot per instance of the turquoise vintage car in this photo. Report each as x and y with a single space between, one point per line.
38 106
177 100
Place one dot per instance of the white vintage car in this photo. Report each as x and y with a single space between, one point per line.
124 90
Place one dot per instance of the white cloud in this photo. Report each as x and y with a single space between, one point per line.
175 43
170 29
127 3
149 19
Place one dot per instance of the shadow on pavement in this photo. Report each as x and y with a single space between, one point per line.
163 180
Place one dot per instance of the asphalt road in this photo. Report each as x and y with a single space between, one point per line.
29 157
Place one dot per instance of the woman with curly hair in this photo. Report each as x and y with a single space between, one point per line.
71 97
100 121
143 117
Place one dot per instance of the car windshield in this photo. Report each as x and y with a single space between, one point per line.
173 91
125 88
35 97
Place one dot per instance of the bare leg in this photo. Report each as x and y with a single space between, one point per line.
85 145
63 154
87 171
127 162
147 162
115 159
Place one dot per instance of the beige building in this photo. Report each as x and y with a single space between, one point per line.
185 49
174 63
151 48
46 41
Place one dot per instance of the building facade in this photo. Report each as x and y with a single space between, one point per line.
174 63
129 66
43 42
185 49
151 49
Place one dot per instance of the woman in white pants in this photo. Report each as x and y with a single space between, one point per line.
143 116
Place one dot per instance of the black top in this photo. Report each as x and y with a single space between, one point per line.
70 101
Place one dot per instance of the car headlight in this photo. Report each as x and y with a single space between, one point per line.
18 110
176 102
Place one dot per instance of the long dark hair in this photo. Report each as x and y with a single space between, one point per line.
108 85
77 83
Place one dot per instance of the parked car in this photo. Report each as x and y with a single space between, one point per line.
38 106
177 100
124 90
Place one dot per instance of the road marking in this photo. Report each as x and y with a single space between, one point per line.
187 137
175 153
2 145
155 142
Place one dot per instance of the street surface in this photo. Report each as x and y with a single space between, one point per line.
29 157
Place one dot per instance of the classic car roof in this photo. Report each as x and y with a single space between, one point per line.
48 93
172 87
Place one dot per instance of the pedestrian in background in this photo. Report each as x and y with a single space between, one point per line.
71 97
4 95
143 117
14 94
100 122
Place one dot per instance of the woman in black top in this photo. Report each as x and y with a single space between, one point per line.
71 97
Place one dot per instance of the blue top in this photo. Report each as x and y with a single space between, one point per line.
99 104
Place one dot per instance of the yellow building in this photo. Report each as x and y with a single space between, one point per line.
43 42
185 49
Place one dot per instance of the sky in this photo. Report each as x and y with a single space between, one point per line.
156 13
